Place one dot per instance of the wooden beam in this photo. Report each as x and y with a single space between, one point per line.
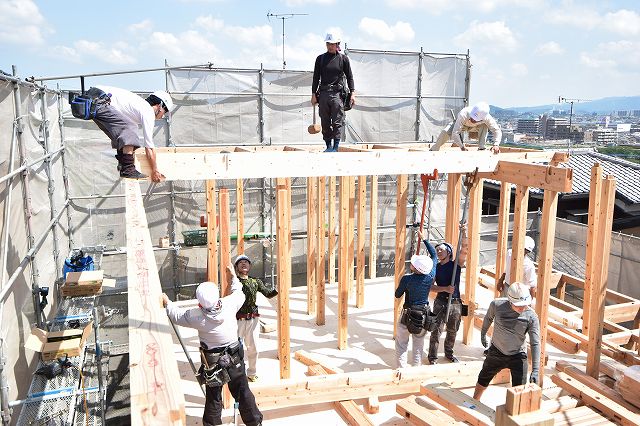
534 418
601 272
156 396
225 241
351 235
312 240
332 231
580 416
452 224
503 231
420 411
343 265
523 399
362 225
593 224
240 214
519 232
373 227
212 232
322 254
283 226
308 358
545 267
622 312
471 277
557 179
560 404
402 195
461 405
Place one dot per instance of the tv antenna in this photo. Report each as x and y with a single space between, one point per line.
284 16
570 101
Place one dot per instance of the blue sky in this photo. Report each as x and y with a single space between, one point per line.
524 52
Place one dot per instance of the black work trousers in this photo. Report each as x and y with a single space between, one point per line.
331 111
496 361
453 324
239 388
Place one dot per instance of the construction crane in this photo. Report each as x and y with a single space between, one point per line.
570 101
284 16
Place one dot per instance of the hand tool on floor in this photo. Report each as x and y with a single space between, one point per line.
314 128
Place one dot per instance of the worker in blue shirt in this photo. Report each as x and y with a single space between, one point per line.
415 287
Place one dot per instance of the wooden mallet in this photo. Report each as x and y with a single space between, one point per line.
314 128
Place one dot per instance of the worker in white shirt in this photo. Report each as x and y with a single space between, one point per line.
529 277
469 118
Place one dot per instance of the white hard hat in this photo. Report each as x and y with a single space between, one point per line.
207 295
330 38
241 257
519 294
165 98
422 263
479 111
529 244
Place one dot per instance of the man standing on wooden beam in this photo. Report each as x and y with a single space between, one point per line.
512 320
530 277
221 352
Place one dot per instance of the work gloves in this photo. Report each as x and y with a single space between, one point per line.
534 377
483 340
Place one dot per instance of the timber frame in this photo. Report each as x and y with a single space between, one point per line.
521 168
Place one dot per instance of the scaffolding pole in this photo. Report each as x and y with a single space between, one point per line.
172 198
65 173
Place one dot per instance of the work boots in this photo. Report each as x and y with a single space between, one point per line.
336 142
328 143
128 168
119 158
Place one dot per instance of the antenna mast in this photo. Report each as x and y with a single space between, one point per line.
570 101
284 16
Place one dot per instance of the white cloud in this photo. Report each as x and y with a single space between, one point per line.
260 35
519 70
625 22
437 7
294 3
549 48
65 53
376 28
22 23
494 36
189 46
623 55
141 27
433 7
209 23
113 55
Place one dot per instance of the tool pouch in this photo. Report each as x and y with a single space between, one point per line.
220 368
414 317
345 94
85 106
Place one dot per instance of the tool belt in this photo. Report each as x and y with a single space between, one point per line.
330 87
221 365
418 319
85 105
248 316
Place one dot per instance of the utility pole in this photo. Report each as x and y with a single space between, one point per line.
570 101
284 16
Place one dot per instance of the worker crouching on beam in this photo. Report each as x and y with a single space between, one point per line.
469 118
221 351
512 320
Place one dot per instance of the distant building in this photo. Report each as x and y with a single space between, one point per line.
529 126
556 128
635 128
604 136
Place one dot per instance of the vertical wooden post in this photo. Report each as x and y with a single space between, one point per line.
362 207
312 240
212 232
225 240
545 266
240 214
373 227
600 271
519 232
351 235
322 254
283 226
452 224
475 217
503 231
401 241
332 231
592 237
343 264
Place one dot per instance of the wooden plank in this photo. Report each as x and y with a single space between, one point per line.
594 398
523 399
332 230
421 412
156 396
601 272
582 416
503 231
452 224
308 358
557 179
471 277
322 254
351 235
283 227
362 225
535 418
402 195
373 227
225 240
519 231
312 240
461 405
212 232
240 214
372 405
563 403
622 312
593 224
343 254
545 267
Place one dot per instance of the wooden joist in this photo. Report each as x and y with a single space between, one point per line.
373 227
156 396
420 411
582 416
461 405
534 418
557 179
283 226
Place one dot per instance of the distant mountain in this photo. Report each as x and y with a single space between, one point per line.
602 106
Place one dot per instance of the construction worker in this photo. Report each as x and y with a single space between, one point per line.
512 320
248 316
443 288
220 350
119 114
529 269
415 287
469 118
328 88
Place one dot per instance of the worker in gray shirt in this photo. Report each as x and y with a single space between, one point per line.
512 319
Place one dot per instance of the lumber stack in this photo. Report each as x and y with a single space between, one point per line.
629 385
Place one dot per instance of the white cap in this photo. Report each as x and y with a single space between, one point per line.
165 98
207 294
330 38
529 244
241 257
519 294
479 111
422 263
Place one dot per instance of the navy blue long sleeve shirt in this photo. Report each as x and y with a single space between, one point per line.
415 286
443 279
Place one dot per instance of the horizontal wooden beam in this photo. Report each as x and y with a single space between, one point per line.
420 411
204 163
558 179
622 312
461 405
